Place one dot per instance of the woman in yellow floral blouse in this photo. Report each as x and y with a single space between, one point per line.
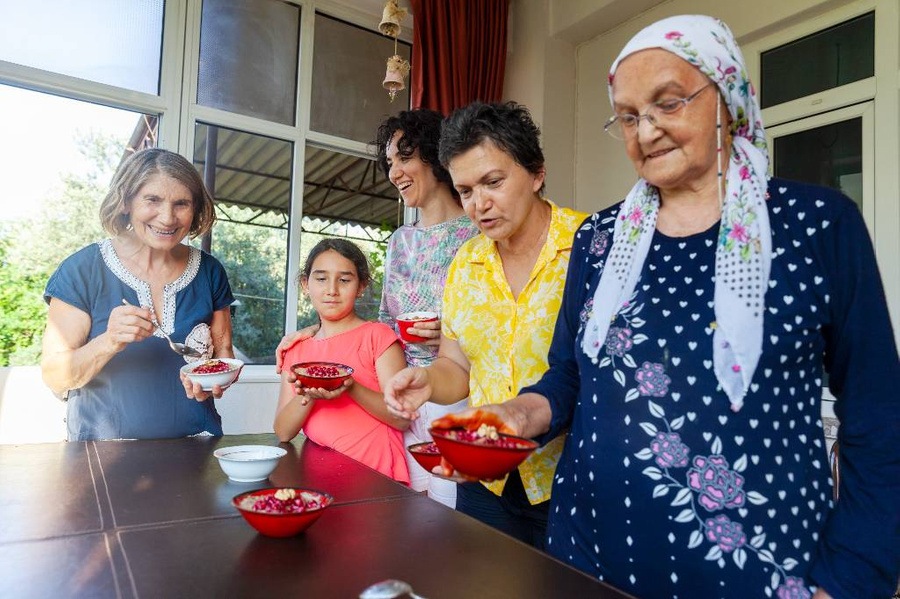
501 299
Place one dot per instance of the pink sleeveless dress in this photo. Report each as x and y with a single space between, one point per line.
341 423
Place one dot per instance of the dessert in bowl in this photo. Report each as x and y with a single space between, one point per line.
249 463
281 512
484 454
209 373
427 454
409 319
321 375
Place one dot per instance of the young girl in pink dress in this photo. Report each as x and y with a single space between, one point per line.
352 419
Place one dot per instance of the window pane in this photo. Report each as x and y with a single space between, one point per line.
248 58
56 162
347 196
836 56
348 67
250 178
107 41
830 155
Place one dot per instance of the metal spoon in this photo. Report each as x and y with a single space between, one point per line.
178 348
389 589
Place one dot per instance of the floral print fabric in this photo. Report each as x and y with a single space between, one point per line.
743 251
662 490
415 269
504 338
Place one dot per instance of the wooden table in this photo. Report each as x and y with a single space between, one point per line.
154 519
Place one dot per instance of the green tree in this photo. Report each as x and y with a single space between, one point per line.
30 250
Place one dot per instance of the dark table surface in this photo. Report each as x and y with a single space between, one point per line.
154 519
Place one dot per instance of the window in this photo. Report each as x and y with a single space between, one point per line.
248 58
111 42
348 67
56 162
824 60
250 178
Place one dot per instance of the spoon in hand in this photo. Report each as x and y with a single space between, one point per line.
178 348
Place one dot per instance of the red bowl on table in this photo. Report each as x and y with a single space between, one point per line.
321 375
270 516
409 319
479 457
427 454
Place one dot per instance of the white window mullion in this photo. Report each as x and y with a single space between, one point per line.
304 95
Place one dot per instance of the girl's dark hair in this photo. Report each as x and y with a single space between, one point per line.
348 250
509 126
421 131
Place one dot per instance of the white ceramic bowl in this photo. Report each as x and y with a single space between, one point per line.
208 381
249 463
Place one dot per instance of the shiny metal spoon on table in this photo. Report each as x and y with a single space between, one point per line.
389 589
178 348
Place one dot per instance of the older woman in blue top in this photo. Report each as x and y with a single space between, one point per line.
687 361
121 376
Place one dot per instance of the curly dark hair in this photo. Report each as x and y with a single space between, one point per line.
421 131
348 250
509 126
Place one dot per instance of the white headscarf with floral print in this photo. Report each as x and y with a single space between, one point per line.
744 248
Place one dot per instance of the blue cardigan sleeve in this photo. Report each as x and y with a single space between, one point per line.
561 383
858 554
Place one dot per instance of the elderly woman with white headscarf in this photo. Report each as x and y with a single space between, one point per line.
687 362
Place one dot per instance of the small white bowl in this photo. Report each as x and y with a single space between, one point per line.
208 381
249 463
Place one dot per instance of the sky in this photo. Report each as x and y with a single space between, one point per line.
37 144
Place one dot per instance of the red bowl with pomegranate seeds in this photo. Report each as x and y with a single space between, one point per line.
427 454
482 457
409 319
321 375
281 512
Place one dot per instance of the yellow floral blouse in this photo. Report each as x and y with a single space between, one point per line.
506 339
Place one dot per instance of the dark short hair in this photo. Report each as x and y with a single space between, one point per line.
509 126
348 250
421 131
133 174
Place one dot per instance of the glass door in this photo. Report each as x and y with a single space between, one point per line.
834 149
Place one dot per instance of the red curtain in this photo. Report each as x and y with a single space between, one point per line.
459 52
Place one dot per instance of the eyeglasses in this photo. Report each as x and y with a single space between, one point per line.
625 126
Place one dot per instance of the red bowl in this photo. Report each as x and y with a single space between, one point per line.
408 319
426 459
485 462
275 524
317 381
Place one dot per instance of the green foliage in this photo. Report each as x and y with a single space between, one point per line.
30 250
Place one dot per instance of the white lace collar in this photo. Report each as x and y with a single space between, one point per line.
142 288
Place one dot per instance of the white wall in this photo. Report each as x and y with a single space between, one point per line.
30 413
540 73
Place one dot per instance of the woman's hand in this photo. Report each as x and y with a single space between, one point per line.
306 394
289 341
195 390
406 391
429 329
128 324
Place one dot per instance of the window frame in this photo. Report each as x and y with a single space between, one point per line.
179 111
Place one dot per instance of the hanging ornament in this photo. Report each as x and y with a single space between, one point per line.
397 66
397 70
391 18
